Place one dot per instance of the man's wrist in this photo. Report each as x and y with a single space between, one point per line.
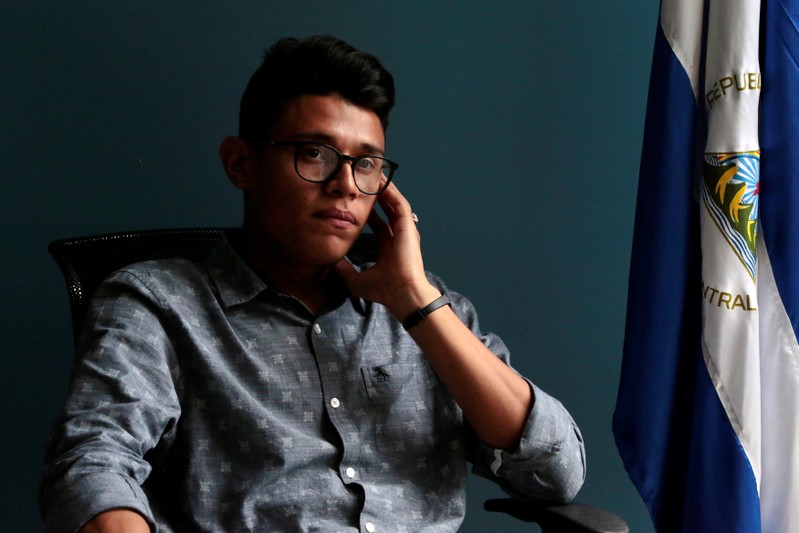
412 299
421 313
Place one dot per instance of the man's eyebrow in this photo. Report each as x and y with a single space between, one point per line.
367 148
371 149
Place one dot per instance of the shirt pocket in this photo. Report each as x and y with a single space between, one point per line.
412 412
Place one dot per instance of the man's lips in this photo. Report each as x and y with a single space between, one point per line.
338 217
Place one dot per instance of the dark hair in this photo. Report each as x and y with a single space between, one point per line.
318 65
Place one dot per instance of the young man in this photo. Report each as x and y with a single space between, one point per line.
279 387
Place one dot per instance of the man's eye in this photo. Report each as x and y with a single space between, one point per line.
367 164
311 152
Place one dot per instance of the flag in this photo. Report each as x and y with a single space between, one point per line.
707 414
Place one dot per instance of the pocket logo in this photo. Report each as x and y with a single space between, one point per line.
380 374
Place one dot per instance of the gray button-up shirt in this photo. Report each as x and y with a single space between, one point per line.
207 401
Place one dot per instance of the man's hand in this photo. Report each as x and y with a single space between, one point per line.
397 280
117 521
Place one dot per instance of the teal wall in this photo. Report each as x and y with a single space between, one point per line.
518 128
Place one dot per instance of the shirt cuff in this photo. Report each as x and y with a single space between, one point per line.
547 429
89 495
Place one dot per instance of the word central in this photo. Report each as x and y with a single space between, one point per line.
728 300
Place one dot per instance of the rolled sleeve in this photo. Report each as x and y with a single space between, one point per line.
122 403
548 464
89 495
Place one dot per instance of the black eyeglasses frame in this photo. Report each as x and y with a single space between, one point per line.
391 165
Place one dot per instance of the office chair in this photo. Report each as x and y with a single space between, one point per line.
86 261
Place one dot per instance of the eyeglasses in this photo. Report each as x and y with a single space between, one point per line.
319 163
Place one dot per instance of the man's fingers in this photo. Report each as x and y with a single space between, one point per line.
394 203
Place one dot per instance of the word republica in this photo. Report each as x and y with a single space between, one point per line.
745 81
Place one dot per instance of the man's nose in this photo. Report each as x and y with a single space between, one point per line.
344 179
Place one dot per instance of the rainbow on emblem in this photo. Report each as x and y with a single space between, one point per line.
731 187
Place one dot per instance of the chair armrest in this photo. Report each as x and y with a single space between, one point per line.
569 518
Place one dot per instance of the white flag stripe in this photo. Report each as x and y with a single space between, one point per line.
682 27
779 495
732 76
730 337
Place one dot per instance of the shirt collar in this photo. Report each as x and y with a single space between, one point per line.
236 282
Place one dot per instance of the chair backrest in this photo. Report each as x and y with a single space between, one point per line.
86 261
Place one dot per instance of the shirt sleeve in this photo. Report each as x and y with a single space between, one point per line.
122 403
549 463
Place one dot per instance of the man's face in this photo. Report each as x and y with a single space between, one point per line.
303 223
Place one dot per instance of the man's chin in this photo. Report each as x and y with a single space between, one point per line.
331 250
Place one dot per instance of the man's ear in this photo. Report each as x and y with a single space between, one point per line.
236 156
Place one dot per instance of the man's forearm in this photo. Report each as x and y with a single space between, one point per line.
494 398
117 521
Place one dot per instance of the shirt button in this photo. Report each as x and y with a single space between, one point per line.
334 403
317 329
370 527
350 472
